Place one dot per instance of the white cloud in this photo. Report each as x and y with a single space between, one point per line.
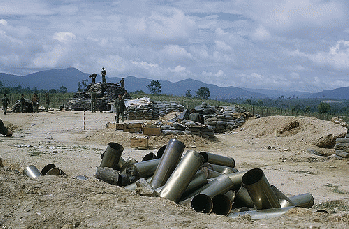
25 7
49 59
219 73
145 65
178 68
175 52
170 25
307 16
261 33
337 56
3 22
64 37
221 45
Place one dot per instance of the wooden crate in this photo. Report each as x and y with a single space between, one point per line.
133 127
139 142
152 131
116 126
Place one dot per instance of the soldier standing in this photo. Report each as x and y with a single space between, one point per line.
104 73
5 102
93 101
47 97
120 108
35 102
93 77
22 100
122 83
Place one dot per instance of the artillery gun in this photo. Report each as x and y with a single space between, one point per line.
104 94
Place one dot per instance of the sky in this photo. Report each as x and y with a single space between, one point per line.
279 45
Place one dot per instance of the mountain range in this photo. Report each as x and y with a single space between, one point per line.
70 77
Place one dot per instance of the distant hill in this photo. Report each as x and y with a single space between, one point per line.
180 88
70 77
339 93
50 79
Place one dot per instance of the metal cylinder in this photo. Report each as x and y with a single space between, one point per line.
259 189
4 130
283 199
242 199
220 160
199 180
202 203
31 171
168 163
303 200
182 175
220 185
223 169
112 155
146 169
222 203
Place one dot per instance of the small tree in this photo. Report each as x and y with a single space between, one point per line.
188 94
154 87
203 93
63 89
324 108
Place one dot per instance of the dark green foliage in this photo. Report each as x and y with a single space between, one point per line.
203 93
324 108
63 89
154 87
188 94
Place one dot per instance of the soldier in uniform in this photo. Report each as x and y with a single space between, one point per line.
93 77
22 100
47 97
120 108
122 83
93 101
5 102
104 73
35 102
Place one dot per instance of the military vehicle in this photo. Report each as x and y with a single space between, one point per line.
27 107
104 93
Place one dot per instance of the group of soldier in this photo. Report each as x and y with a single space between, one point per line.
34 101
119 103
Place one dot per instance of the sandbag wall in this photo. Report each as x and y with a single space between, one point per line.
188 127
165 108
342 147
227 118
144 109
204 181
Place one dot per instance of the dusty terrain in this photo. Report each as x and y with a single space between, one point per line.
274 144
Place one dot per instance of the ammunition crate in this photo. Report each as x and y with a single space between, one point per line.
152 131
139 142
116 126
133 127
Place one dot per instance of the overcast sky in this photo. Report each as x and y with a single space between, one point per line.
288 45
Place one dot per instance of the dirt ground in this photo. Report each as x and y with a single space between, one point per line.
278 145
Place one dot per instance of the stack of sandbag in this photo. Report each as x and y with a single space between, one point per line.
165 108
141 109
226 119
342 147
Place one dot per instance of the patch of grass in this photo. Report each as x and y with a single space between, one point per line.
335 189
80 147
334 205
34 153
